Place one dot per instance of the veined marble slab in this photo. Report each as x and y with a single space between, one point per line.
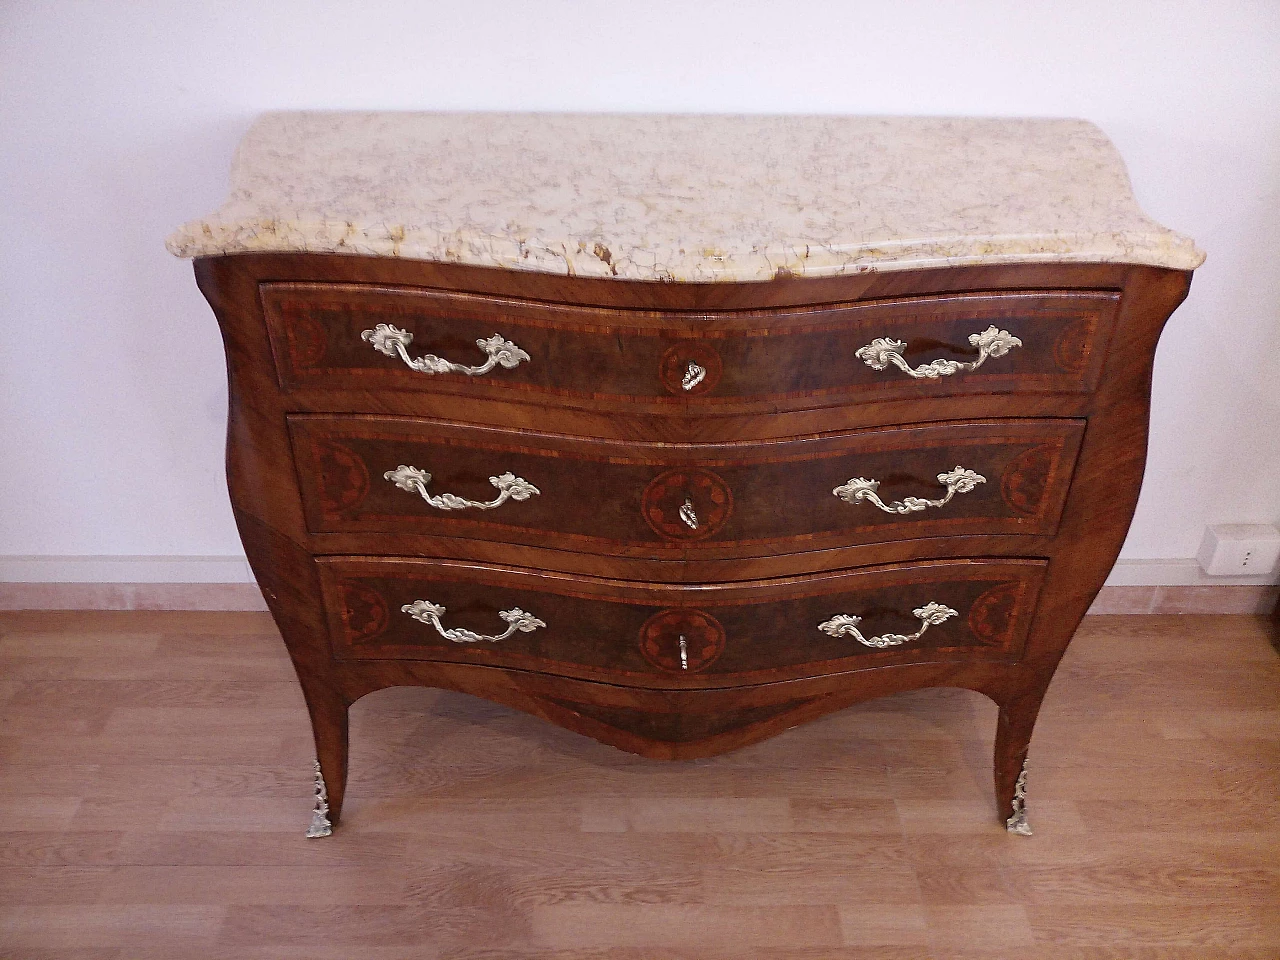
683 197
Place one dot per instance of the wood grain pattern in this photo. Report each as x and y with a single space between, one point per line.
599 629
785 349
755 360
623 497
170 826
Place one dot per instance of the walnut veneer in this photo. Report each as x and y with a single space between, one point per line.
668 635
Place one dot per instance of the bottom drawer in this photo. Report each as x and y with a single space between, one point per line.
680 635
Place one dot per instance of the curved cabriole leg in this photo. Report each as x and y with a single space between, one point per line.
290 584
1013 736
329 726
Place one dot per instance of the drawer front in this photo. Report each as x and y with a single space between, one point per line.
674 636
430 478
358 337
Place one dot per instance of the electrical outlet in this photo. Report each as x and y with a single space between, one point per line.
1239 550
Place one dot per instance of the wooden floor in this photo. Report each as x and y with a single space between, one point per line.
155 786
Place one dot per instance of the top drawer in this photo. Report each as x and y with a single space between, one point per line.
359 337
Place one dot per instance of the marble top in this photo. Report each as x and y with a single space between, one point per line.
683 197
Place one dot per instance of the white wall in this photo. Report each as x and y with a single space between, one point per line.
119 120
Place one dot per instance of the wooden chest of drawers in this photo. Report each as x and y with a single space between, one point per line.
682 516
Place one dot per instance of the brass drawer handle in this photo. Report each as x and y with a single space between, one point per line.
392 341
845 625
510 487
959 480
881 352
424 611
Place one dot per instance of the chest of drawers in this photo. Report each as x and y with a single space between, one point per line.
728 480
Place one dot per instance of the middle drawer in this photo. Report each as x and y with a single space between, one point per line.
375 475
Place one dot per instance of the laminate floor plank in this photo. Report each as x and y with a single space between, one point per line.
686 926
154 786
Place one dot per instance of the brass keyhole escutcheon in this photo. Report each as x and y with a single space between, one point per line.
682 640
690 368
668 503
688 515
693 375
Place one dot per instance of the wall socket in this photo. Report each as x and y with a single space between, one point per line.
1239 550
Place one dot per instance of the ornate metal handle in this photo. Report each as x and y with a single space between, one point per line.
424 611
684 654
959 480
510 487
392 341
844 625
881 352
693 375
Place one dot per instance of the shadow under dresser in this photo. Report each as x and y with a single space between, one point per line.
681 431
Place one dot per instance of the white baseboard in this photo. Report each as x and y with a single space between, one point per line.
1176 573
16 569
226 597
